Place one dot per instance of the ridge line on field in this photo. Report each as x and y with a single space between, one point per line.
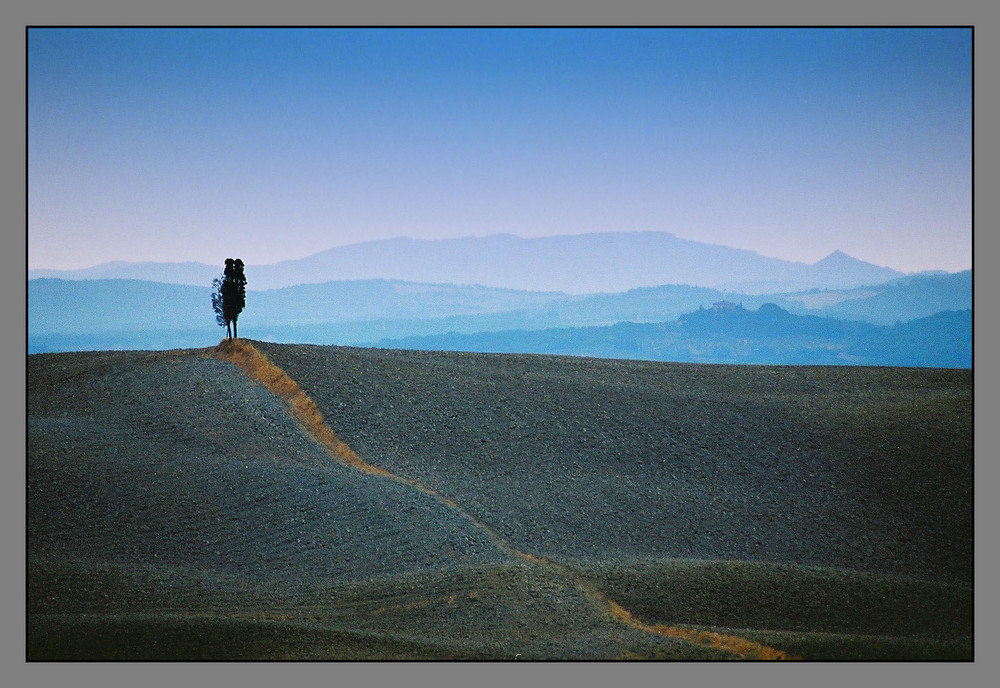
256 365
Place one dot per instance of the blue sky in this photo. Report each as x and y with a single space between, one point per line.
198 144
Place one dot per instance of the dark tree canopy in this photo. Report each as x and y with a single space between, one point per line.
229 295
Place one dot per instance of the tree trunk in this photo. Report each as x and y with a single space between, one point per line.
235 336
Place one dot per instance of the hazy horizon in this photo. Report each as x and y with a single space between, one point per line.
190 145
410 238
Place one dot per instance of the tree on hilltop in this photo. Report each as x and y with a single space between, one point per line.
229 295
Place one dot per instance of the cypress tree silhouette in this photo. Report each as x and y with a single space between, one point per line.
229 296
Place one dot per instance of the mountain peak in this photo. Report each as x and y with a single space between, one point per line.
841 271
837 256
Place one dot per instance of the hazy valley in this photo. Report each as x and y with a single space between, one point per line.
873 325
482 294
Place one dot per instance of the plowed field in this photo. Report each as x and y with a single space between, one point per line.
374 504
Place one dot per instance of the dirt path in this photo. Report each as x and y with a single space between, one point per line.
259 368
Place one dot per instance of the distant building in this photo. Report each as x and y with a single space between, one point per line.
725 306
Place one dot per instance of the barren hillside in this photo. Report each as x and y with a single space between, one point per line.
865 468
518 505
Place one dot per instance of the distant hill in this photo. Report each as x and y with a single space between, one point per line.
87 306
729 333
74 315
581 263
903 299
942 340
190 273
900 300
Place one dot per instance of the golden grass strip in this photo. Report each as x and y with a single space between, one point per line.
741 647
260 368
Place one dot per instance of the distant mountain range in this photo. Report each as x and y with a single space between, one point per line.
133 314
473 291
577 264
729 333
